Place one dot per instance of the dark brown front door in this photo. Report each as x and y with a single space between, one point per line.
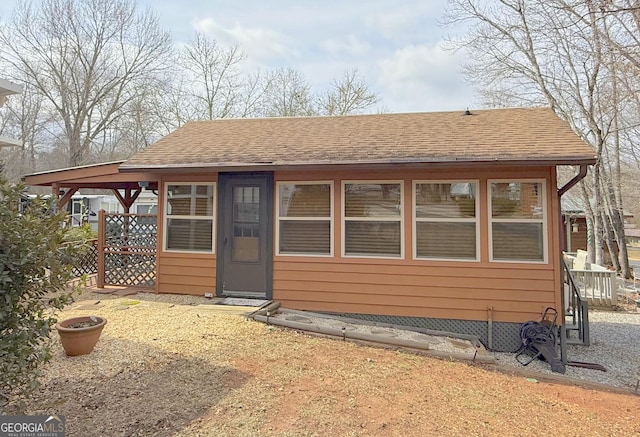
245 242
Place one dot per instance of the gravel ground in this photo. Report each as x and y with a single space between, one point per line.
615 344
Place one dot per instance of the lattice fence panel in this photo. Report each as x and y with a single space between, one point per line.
130 249
87 264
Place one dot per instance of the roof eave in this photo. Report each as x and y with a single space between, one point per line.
444 163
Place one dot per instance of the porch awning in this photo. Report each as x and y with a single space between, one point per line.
65 182
97 176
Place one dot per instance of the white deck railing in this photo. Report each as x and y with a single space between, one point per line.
597 284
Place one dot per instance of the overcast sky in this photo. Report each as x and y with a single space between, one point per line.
397 49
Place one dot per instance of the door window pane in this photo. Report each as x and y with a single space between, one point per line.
245 204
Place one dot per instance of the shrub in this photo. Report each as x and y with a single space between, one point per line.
82 233
35 266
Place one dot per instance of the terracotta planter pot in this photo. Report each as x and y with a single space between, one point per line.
80 340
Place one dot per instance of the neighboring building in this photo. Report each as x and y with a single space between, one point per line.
441 220
84 208
574 221
6 89
575 224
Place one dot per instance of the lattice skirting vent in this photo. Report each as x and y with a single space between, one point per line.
506 336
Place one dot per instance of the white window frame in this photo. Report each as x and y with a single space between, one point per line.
545 214
299 219
166 216
345 219
416 219
113 207
76 217
147 205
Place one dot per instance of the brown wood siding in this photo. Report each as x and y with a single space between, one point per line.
405 287
516 292
578 239
411 290
182 272
186 273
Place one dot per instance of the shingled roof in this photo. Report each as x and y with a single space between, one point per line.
521 135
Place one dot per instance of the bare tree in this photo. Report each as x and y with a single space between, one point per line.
88 58
172 105
140 125
288 95
350 95
110 83
559 53
28 118
253 98
214 77
624 16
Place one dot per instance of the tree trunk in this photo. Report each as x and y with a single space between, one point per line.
76 152
609 241
590 220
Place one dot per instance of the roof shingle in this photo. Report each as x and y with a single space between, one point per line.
495 135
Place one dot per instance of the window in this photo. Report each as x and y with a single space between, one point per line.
445 220
146 209
189 217
517 221
78 212
305 218
372 219
110 207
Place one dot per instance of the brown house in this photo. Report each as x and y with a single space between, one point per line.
440 220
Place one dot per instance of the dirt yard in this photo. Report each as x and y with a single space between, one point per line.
163 368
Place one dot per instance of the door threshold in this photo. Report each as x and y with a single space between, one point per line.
245 294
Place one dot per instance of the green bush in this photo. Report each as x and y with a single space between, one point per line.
82 233
35 266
